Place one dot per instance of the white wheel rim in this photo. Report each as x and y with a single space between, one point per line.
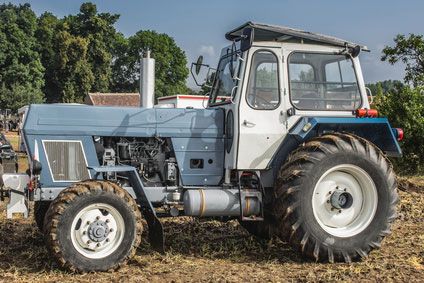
97 230
356 185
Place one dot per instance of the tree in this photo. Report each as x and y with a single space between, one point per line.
73 77
409 50
170 70
386 86
48 27
77 53
16 96
21 70
405 109
65 58
99 31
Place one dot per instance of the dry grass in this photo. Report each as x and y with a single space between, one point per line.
13 138
215 251
200 250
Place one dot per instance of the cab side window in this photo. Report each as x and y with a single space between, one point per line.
263 89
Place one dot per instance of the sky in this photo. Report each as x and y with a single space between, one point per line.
199 26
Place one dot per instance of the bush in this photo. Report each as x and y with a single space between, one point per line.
405 109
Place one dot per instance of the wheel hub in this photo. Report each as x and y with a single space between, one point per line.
344 200
341 200
98 231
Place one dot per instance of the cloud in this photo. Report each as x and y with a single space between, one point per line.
207 50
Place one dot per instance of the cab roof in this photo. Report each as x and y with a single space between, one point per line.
266 32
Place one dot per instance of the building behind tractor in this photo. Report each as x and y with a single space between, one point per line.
287 145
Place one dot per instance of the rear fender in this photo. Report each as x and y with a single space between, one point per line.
376 130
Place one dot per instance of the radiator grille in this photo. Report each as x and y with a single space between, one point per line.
66 160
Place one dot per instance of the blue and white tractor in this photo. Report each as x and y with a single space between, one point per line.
287 144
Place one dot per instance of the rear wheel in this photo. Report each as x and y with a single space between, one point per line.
93 226
335 198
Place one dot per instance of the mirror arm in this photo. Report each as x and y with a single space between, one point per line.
192 73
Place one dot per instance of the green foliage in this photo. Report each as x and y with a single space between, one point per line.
47 28
17 96
99 31
170 70
405 109
21 70
410 51
73 76
77 52
379 88
64 59
404 106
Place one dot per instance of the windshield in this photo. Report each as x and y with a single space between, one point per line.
224 83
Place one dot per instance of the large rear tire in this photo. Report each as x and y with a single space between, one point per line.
93 226
335 198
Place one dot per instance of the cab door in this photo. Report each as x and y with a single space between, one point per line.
261 123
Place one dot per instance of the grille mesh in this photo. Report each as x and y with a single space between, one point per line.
66 160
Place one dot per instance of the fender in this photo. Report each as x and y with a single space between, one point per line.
156 235
376 130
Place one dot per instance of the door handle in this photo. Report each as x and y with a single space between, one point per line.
247 123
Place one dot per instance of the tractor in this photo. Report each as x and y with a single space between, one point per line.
286 144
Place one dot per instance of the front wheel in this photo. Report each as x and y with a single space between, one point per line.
336 198
93 226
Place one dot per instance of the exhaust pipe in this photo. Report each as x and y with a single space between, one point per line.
147 81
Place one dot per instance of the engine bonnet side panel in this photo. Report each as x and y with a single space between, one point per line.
198 134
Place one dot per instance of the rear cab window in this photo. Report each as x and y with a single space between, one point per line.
323 81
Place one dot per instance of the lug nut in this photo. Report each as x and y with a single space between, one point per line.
340 211
111 230
345 190
88 242
98 218
84 232
107 240
107 220
98 245
328 201
88 222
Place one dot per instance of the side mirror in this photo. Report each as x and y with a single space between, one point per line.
199 64
246 40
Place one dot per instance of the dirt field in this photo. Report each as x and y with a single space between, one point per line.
214 251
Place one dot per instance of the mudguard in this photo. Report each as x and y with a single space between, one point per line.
376 130
156 235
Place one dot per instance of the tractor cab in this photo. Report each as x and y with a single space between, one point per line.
271 77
